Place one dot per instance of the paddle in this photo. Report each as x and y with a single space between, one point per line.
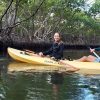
96 54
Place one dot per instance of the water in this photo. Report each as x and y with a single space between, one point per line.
48 85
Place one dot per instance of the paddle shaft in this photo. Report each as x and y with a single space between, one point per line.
96 55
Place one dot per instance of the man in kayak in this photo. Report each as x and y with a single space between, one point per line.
56 51
90 58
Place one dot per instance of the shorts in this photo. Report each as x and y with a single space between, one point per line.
97 60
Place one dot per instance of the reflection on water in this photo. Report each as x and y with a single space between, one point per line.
47 85
56 80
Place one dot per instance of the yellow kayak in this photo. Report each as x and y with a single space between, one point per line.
37 60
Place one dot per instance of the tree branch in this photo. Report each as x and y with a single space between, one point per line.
6 10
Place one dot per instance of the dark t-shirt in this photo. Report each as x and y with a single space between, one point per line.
56 50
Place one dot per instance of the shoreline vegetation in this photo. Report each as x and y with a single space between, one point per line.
70 41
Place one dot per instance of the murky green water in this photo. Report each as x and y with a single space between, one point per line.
47 85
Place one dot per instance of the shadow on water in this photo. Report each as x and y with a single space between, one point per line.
47 85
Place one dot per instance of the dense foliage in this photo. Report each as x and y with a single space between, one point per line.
39 19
